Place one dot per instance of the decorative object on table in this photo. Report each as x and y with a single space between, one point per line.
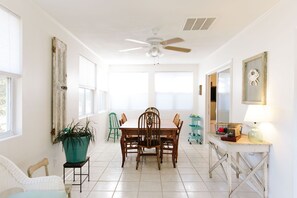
254 72
113 126
233 132
221 128
75 139
59 86
195 133
255 114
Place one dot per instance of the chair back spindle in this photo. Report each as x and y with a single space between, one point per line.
153 109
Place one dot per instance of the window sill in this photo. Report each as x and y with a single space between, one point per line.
8 137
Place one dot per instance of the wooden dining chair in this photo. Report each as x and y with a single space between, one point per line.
130 142
176 119
167 144
153 109
124 118
44 163
148 136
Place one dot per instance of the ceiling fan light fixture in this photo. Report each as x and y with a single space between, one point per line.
154 52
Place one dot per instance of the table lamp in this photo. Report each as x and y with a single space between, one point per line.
255 114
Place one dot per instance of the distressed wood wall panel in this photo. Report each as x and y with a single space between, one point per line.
59 86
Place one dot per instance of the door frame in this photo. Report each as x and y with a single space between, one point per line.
227 65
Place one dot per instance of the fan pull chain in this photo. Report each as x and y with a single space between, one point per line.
156 62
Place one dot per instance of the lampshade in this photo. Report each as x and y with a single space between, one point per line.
255 113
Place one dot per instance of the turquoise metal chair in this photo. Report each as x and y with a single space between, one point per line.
113 127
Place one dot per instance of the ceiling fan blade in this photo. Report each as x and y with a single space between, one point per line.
137 41
173 40
130 49
179 49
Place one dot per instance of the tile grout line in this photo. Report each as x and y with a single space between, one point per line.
180 174
92 190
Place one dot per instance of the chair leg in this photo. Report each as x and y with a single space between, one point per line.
158 157
138 158
114 135
109 134
176 152
117 133
161 152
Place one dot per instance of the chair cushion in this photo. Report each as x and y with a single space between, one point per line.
131 139
10 191
39 194
154 143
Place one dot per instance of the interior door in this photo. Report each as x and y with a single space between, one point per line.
223 95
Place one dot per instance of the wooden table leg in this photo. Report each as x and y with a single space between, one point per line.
123 149
174 150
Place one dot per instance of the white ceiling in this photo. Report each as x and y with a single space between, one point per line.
103 25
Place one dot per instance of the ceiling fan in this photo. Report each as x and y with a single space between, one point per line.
155 43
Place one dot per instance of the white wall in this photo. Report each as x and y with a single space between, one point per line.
274 32
35 142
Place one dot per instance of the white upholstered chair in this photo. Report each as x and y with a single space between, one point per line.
12 180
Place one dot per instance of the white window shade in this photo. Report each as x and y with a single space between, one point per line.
129 91
87 73
10 59
174 90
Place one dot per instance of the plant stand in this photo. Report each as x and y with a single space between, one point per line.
78 165
195 134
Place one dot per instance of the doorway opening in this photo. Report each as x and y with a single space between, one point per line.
218 97
213 101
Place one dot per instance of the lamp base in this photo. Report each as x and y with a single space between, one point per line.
255 135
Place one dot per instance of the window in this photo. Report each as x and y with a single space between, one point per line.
174 90
102 74
5 104
87 86
128 91
102 105
10 72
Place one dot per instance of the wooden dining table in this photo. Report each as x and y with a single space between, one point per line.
130 127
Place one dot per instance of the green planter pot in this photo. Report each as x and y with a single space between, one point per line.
76 150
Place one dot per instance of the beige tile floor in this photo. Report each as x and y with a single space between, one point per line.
188 180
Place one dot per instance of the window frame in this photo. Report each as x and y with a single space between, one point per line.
85 88
102 96
14 76
9 99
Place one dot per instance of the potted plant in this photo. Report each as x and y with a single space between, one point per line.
75 138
